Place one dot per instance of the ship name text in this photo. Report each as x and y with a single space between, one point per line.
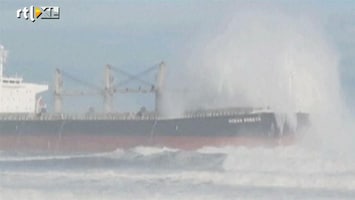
244 120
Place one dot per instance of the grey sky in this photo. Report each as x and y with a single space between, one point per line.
137 34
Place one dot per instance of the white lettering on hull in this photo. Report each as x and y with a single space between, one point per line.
244 120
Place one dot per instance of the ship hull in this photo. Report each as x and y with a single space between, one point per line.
108 135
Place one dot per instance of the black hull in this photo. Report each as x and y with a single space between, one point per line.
106 135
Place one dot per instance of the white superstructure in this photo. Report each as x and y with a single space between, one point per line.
17 96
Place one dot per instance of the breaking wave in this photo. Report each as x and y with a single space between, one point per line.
148 158
162 173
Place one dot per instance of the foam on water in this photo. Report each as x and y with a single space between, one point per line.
153 150
209 173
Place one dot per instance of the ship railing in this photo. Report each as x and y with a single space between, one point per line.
68 116
119 116
217 113
97 116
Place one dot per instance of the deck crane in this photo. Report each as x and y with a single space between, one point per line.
109 89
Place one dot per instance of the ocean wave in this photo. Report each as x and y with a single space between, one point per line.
217 172
148 158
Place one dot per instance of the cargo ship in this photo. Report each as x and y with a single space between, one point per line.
25 126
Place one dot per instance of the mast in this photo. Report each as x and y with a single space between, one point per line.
58 90
108 89
159 87
3 55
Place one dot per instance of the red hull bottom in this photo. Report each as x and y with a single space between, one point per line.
111 143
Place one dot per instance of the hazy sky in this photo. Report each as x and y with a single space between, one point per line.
134 35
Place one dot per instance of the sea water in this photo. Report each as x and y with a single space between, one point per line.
292 172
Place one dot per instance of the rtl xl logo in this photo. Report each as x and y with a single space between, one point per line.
42 12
